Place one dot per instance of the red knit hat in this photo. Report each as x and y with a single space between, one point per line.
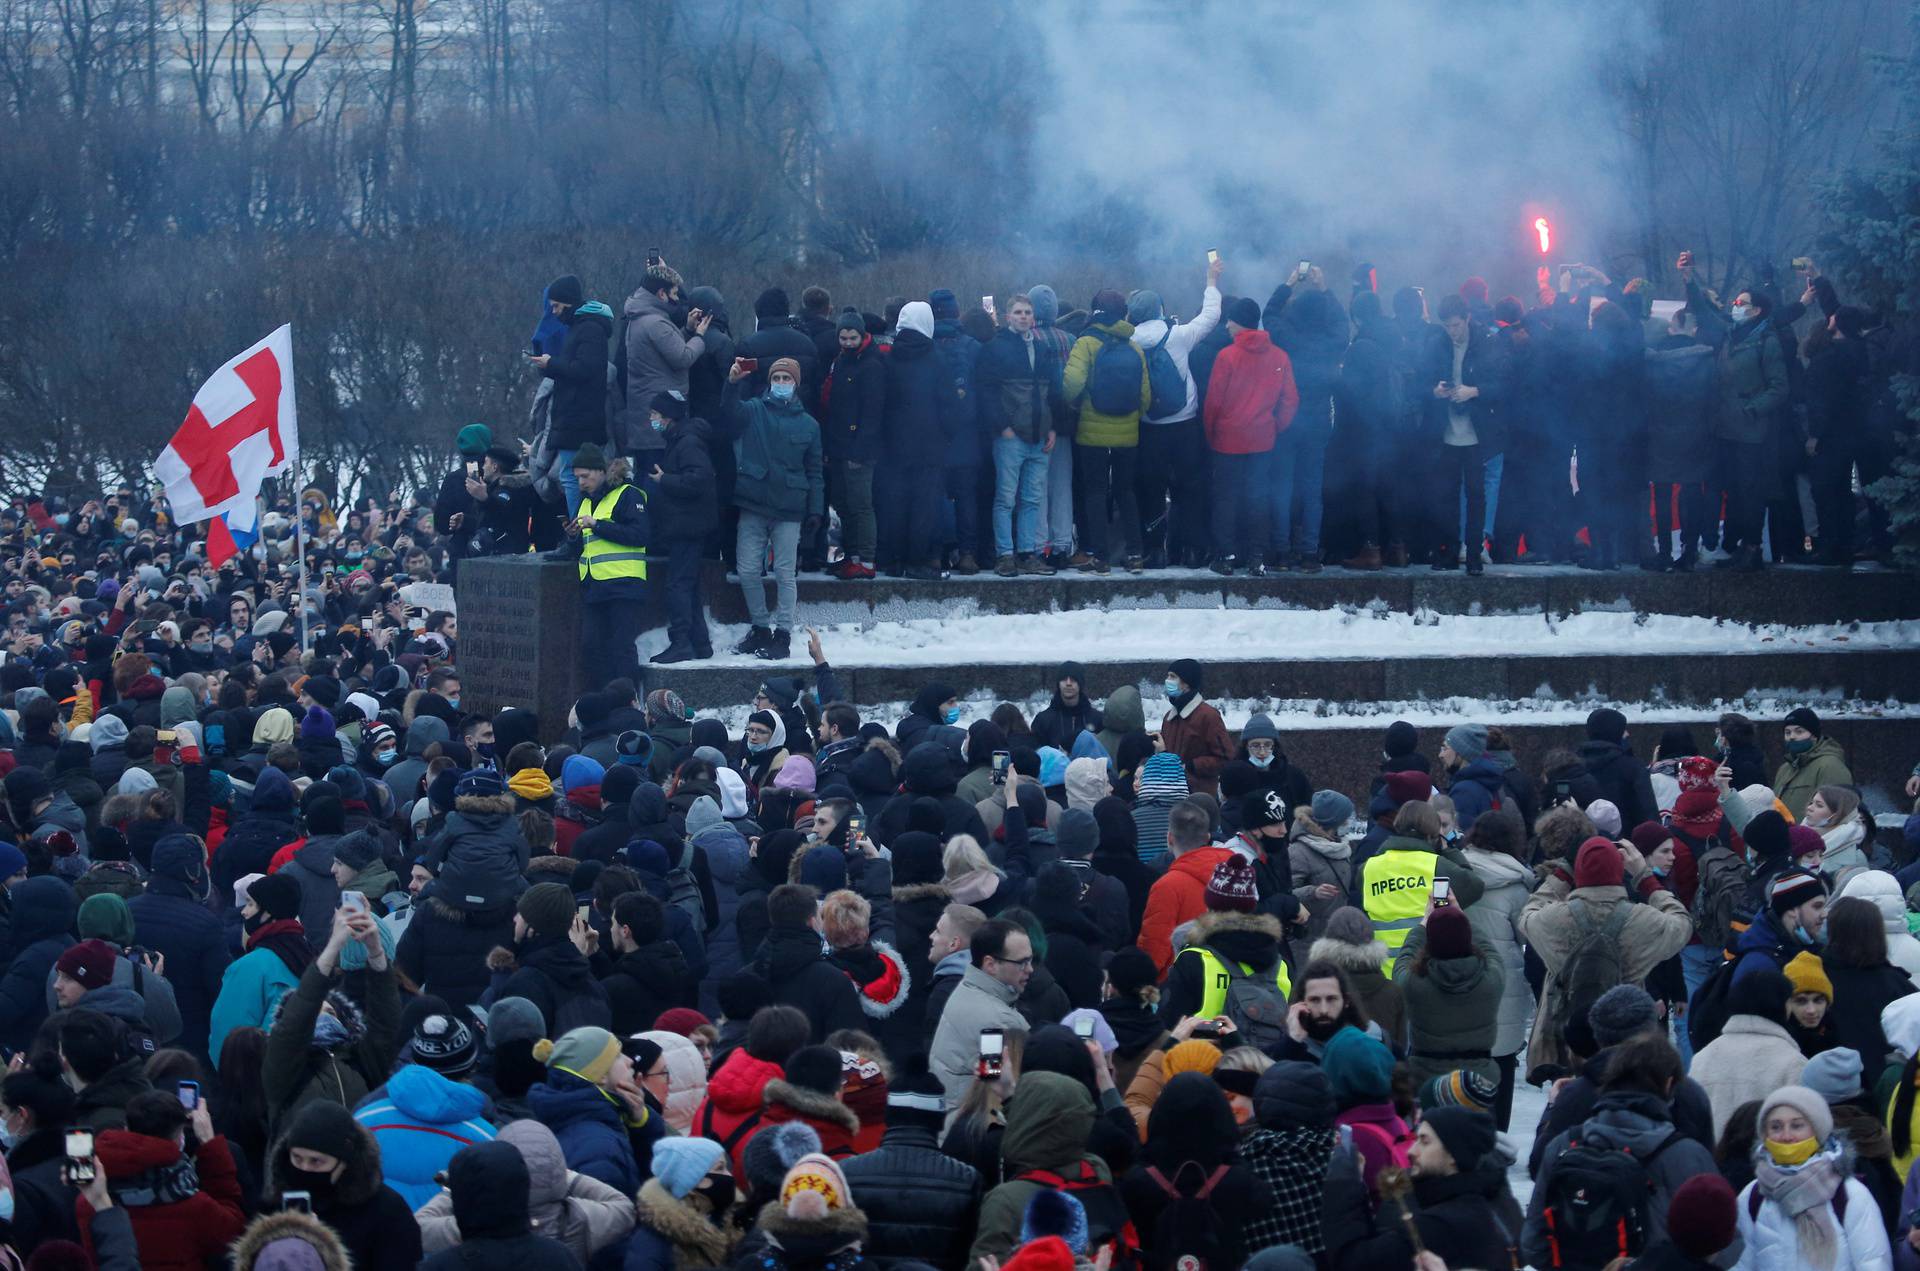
89 963
1598 864
1231 887
1449 933
681 1021
1696 773
1408 787
1648 836
1802 841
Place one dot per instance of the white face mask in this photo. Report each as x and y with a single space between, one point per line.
1742 312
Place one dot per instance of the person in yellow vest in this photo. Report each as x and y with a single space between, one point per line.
1397 881
609 538
1230 961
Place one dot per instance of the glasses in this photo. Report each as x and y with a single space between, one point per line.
1019 962
658 1074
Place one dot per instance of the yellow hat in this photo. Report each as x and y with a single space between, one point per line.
587 1053
1809 976
1191 1056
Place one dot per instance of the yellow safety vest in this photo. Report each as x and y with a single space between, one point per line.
602 559
1395 888
1218 980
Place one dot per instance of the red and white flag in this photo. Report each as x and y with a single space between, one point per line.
240 430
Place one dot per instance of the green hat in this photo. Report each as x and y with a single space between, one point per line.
105 917
474 440
589 456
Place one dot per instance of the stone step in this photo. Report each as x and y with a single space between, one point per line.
1797 595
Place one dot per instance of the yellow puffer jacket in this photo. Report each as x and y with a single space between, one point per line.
1096 429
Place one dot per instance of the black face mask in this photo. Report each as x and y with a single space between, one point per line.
319 1182
259 920
719 1191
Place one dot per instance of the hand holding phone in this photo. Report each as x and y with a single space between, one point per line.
1442 891
80 1166
993 1050
1083 1027
1000 760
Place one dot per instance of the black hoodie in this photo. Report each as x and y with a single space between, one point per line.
795 967
551 973
1059 723
1191 1133
491 1202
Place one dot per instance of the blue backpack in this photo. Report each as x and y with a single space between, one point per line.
1113 385
1169 385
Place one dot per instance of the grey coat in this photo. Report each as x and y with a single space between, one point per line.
659 355
978 1002
1496 920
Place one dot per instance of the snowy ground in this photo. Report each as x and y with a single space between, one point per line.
966 637
1529 1105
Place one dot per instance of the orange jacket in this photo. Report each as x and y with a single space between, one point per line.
1180 894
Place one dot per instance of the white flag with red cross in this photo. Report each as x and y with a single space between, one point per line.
240 430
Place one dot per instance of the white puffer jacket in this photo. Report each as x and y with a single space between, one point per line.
1496 919
1772 1243
1883 890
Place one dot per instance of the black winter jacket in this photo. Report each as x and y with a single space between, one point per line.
1623 781
778 337
552 974
791 963
855 405
169 921
921 1204
644 983
444 948
688 504
1017 384
922 406
579 374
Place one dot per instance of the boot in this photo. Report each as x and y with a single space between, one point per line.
1080 560
925 573
1689 558
1035 567
778 648
1475 566
756 639
673 653
1157 558
1444 559
1005 567
1307 562
1222 566
1095 565
966 566
1396 556
1136 564
1366 559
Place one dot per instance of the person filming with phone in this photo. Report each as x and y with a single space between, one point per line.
1002 962
664 338
578 412
174 1176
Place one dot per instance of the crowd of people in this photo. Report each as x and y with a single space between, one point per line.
307 965
947 438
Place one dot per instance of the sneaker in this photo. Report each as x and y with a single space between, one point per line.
673 653
1476 567
925 573
1095 565
757 638
1136 564
855 571
1222 566
1005 567
1366 559
1080 560
778 648
1036 567
1257 570
966 566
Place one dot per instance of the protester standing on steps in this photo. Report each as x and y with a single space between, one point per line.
1193 729
686 512
1171 477
780 489
609 540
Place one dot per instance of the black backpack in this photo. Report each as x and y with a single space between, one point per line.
1186 1235
1597 1206
1708 1012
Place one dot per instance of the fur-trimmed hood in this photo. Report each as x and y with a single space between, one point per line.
921 891
454 914
344 1007
696 1241
1351 958
879 975
809 1105
290 1225
359 1183
1216 923
484 804
813 1238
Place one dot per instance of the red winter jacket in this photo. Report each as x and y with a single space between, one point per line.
174 1234
1251 397
1180 894
734 1106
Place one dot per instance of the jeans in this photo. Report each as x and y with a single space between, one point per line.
680 583
850 490
1056 498
1101 472
1299 479
1491 485
1696 965
563 473
750 551
608 629
1019 486
1240 484
1461 468
1172 459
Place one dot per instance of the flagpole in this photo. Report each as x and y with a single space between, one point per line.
300 547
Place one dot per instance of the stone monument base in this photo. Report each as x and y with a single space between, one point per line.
520 637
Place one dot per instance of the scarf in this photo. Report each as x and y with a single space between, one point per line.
531 784
285 939
972 887
1333 851
1803 1191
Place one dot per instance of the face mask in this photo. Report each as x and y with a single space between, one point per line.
485 749
719 1191
1792 1153
950 716
1820 824
1659 873
1742 312
7 1139
454 701
256 922
1173 687
780 392
757 747
355 555
329 1032
384 757
201 646
1800 747
6 1205
319 1182
1800 934
1262 762
659 425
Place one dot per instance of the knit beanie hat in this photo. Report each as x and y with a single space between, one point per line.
1191 1056
1469 741
585 1052
89 964
814 1187
1763 993
1805 718
1400 739
1703 1217
1261 808
473 440
325 1127
1349 925
790 365
443 1043
1244 312
357 850
680 1162
815 1068
513 1019
1808 974
1605 817
1598 864
1449 933
1468 1135
772 1152
916 1098
104 916
943 303
1403 788
1802 1100
1834 1075
1647 836
1766 833
1793 888
680 1021
1619 1013
1055 1213
669 405
1131 970
1232 888
276 895
590 457
1358 1067
1331 809
1191 673
1460 1088
1607 724
1804 841
548 908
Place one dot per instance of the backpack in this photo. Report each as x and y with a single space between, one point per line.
1113 382
1168 384
1597 1204
1708 1012
1256 1003
1594 963
684 890
1186 1235
1397 1147
1107 1219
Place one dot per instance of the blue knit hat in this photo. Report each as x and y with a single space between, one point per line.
1359 1068
1055 1213
1163 775
680 1163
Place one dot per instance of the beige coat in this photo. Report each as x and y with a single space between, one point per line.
1750 1059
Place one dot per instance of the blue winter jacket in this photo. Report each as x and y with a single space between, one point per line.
420 1121
43 913
1476 788
591 1127
249 993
